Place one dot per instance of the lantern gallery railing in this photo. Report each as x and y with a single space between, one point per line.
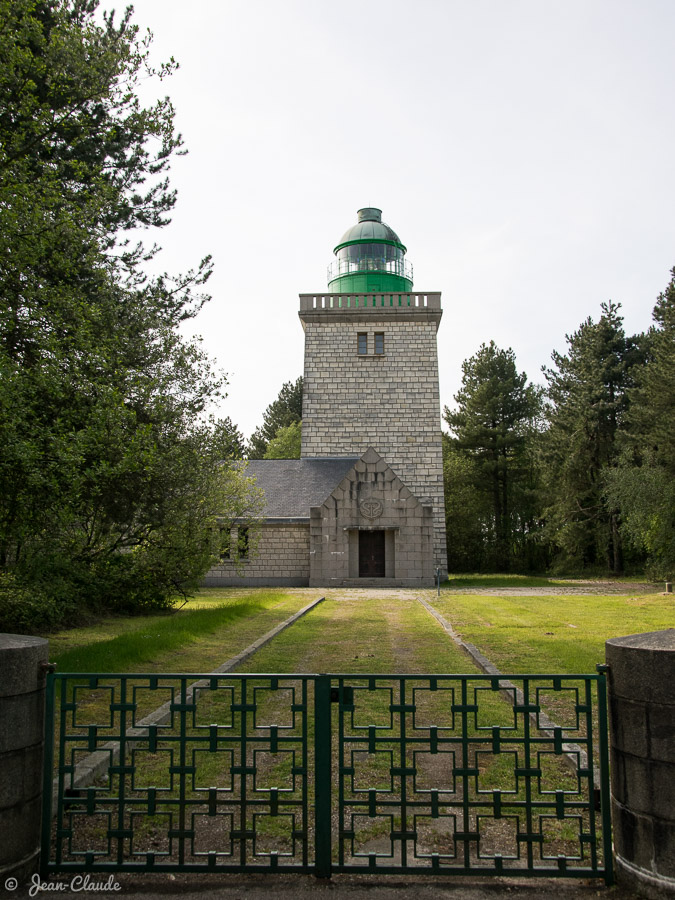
388 301
434 774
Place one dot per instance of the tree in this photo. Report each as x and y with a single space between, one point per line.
109 485
652 411
644 493
468 512
588 400
286 444
642 485
492 427
228 441
281 413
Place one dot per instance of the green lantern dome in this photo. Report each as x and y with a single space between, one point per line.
370 258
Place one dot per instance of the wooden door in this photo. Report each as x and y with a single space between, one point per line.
371 554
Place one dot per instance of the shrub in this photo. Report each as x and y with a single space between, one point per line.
26 610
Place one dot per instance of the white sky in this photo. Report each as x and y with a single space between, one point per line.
523 150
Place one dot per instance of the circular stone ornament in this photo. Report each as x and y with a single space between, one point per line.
371 509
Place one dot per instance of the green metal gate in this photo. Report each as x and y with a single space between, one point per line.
444 774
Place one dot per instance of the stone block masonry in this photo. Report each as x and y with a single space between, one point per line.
642 748
386 400
22 696
280 558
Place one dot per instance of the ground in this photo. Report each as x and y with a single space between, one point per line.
369 631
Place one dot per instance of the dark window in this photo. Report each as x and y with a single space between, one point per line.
379 343
242 542
362 343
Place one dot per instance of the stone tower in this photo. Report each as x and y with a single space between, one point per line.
371 371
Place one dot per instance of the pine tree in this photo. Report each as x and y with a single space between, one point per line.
588 399
653 408
282 412
492 427
642 485
228 440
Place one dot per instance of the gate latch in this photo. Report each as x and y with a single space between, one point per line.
347 698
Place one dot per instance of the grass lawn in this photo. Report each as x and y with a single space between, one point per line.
554 633
198 638
362 635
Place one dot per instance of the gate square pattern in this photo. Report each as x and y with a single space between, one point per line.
440 774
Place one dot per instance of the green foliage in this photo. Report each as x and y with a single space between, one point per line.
489 469
24 610
228 441
588 398
281 413
645 495
286 444
642 486
652 412
109 490
467 511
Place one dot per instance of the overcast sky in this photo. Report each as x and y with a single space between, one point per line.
523 150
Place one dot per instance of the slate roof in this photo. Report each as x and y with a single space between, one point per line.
292 486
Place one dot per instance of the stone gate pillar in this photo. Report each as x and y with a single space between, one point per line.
642 759
22 695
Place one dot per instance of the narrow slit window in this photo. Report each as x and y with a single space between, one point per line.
225 538
379 343
362 343
242 542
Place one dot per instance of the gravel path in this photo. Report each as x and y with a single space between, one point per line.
571 587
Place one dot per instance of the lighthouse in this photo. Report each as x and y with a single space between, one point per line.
363 506
371 371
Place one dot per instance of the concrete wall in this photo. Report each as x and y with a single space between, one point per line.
281 557
389 402
22 697
407 523
642 762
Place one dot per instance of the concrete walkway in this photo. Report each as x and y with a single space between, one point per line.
340 887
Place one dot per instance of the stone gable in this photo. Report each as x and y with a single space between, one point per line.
371 498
